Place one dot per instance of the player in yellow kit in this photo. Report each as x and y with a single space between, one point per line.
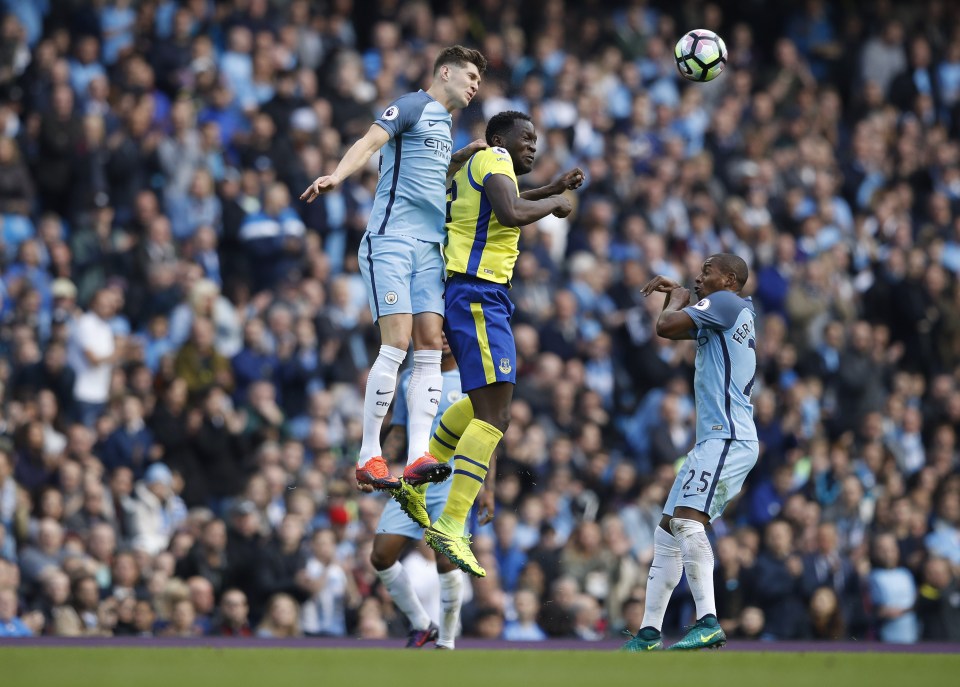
484 212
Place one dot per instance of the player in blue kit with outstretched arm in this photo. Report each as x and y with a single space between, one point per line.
400 256
722 324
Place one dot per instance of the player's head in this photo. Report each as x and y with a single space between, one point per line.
458 71
721 272
514 131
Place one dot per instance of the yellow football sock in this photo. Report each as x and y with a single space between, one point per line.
471 462
453 423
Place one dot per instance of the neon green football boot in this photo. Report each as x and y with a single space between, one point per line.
455 546
413 502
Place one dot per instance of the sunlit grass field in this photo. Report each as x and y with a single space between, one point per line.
275 667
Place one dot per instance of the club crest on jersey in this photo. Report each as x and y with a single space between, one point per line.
505 367
390 297
703 304
454 396
390 113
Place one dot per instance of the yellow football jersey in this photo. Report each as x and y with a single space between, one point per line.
477 244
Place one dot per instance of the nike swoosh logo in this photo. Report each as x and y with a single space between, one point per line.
383 393
432 123
431 390
653 646
706 638
686 496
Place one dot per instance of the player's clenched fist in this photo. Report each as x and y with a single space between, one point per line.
572 179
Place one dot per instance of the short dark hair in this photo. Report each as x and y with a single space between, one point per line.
460 56
728 262
502 122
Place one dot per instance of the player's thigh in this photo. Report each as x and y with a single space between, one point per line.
674 494
714 474
387 549
386 263
740 460
477 325
426 280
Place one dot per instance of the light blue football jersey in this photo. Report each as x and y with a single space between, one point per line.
726 366
411 192
449 395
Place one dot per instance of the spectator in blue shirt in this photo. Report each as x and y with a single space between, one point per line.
894 593
10 624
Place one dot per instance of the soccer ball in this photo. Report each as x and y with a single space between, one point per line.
701 55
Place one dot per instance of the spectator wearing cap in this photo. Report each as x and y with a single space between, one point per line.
157 510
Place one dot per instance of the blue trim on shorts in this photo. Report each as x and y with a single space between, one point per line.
716 477
393 183
373 280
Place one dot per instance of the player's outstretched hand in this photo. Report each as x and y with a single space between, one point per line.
320 186
365 488
659 284
564 207
571 180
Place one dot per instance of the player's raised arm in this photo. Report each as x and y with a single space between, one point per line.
673 323
357 156
514 211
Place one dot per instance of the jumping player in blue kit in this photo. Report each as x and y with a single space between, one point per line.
400 256
397 530
722 324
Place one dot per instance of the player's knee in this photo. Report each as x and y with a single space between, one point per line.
381 560
503 419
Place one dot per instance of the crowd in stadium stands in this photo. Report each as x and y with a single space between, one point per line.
183 344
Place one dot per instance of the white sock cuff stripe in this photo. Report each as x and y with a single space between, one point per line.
394 354
427 356
662 538
684 528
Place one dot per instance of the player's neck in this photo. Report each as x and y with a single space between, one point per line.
436 92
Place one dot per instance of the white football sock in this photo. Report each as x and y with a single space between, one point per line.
381 385
697 561
423 399
451 597
665 572
397 582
